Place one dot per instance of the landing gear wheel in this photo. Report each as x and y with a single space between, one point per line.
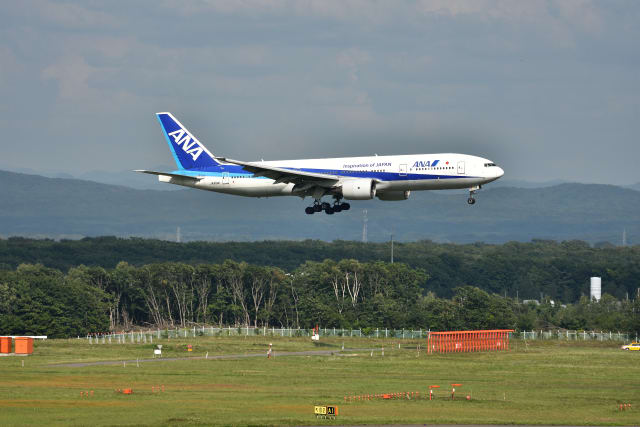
309 210
337 207
317 207
472 192
329 210
325 206
345 206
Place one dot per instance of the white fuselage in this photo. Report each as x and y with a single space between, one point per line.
391 173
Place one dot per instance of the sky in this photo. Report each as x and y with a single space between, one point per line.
549 90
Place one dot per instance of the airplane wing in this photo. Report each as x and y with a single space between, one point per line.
284 175
173 175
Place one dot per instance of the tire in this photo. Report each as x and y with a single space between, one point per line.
345 206
317 208
471 200
337 207
329 210
309 210
325 206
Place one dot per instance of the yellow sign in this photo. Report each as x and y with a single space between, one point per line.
325 411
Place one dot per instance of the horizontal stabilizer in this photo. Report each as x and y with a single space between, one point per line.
172 175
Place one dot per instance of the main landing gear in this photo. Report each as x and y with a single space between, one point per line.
327 207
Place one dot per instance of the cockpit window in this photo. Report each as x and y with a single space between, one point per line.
488 165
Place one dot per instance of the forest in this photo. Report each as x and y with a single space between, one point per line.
35 299
558 270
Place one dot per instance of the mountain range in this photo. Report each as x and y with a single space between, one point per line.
38 206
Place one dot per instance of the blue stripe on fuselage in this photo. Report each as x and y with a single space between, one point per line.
236 170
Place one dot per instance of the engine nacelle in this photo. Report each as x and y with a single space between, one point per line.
359 189
393 195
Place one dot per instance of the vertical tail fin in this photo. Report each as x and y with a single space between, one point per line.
187 151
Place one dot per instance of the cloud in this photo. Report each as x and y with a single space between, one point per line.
352 59
299 78
63 15
72 75
583 13
10 68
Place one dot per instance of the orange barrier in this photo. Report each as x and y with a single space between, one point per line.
5 344
23 345
467 341
413 395
408 395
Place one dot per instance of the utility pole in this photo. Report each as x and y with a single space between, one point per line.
624 237
178 237
364 226
391 248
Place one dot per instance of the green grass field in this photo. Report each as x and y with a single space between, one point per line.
542 383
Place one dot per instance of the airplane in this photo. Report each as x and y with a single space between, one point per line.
388 178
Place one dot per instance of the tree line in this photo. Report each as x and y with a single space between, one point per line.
560 270
36 299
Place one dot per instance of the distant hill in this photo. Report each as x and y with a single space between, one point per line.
519 183
635 186
56 207
126 178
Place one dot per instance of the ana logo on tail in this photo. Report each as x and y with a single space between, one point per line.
188 144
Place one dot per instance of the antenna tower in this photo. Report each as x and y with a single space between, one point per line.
364 226
392 248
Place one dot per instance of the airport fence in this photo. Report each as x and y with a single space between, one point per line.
567 335
147 336
144 336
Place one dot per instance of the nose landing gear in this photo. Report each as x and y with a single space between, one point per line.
472 192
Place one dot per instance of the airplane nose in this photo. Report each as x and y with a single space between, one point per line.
499 172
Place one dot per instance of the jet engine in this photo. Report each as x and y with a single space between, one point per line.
393 195
358 189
